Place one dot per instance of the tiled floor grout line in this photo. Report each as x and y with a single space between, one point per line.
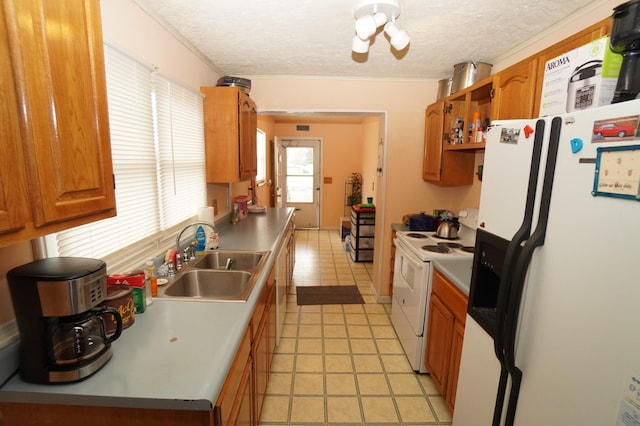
326 261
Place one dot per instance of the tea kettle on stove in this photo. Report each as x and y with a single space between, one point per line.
448 229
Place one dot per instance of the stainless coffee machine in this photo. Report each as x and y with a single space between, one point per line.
625 39
63 336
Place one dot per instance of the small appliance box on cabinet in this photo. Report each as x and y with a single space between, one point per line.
582 78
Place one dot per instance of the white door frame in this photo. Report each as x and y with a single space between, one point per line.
316 144
382 176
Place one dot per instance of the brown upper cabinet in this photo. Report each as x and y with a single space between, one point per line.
55 162
230 125
441 166
514 91
511 93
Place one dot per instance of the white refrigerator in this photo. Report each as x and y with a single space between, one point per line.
554 312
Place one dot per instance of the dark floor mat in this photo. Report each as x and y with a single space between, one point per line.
328 295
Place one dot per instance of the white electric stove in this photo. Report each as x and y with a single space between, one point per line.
427 246
412 280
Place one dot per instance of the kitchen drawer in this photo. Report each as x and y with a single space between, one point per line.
365 242
364 230
361 255
367 217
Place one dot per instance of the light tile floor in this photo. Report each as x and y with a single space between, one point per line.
343 364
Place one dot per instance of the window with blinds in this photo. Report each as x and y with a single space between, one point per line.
157 144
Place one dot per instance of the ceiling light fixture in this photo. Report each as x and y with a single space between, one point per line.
359 45
371 15
399 38
367 25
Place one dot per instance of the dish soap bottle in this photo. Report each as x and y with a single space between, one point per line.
201 240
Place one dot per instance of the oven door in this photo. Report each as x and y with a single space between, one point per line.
411 286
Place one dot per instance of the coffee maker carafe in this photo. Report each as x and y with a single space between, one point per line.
63 335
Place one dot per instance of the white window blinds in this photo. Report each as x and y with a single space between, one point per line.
157 143
180 136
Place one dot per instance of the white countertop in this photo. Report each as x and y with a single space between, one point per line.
458 270
177 354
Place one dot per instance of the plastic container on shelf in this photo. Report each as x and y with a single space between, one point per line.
242 201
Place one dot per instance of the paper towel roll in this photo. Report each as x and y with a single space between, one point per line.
205 214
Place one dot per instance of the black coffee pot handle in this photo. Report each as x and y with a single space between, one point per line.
102 310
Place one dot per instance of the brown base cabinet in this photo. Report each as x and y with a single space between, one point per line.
234 403
66 415
263 346
447 314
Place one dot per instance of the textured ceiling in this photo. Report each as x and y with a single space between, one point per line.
313 37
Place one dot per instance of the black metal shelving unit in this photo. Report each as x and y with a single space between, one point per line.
363 224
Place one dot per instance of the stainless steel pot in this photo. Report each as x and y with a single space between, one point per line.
448 230
466 74
421 222
444 88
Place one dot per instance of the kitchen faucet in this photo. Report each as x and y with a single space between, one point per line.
187 227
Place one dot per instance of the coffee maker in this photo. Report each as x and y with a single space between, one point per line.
625 39
63 335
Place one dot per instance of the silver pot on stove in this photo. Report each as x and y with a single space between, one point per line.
448 230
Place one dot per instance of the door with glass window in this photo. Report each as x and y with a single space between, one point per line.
300 180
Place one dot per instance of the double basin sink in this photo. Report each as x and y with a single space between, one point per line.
220 275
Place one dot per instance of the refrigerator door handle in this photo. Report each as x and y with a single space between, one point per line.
511 257
520 272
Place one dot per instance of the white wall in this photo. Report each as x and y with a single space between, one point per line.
130 28
596 11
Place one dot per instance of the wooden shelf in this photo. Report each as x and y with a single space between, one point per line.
464 146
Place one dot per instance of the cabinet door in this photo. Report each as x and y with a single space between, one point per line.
234 406
392 261
272 321
291 258
58 59
432 159
261 364
248 129
454 364
243 413
514 89
14 205
439 335
230 125
444 167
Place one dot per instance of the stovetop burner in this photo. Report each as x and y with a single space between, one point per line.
437 249
443 238
416 235
468 249
451 245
